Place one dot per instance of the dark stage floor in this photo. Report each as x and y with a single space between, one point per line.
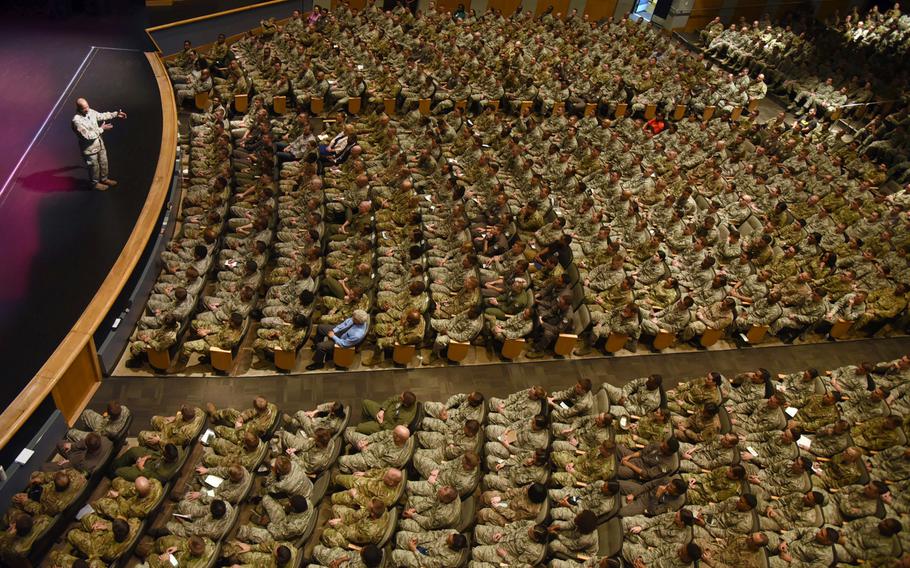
59 239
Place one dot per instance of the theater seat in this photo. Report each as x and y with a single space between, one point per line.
317 105
403 354
526 105
650 111
590 109
424 106
680 112
202 100
389 106
710 337
840 329
616 341
621 109
756 334
160 360
280 104
285 360
736 112
241 103
512 348
343 356
222 359
457 351
709 112
753 104
664 340
565 344
462 104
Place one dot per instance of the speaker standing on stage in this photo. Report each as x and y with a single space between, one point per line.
89 125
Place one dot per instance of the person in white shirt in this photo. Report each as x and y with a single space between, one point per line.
89 125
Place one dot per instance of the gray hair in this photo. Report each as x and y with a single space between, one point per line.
360 316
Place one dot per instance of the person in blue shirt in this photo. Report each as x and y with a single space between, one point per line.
348 333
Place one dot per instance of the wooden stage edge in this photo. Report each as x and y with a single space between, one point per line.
72 373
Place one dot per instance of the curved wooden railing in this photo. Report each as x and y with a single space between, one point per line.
72 373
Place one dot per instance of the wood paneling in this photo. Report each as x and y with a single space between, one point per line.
598 9
78 383
449 6
559 7
703 11
507 7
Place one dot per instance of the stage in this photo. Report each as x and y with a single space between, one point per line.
59 239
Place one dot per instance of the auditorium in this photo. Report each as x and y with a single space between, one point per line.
455 284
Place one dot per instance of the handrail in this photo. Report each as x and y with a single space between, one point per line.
44 381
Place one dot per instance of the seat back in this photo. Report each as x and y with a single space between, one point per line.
457 351
241 103
493 105
424 106
609 538
601 402
559 105
317 105
462 104
402 354
650 111
710 337
756 334
736 112
840 329
354 104
616 341
581 319
343 356
202 100
160 360
565 344
468 511
621 109
679 112
709 112
280 104
285 360
526 105
572 271
389 106
753 104
512 348
664 340
222 359
724 418
590 109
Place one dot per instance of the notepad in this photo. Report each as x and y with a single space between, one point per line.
24 456
752 451
87 509
213 481
206 436
791 411
804 442
172 560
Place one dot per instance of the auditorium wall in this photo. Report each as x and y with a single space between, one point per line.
684 14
